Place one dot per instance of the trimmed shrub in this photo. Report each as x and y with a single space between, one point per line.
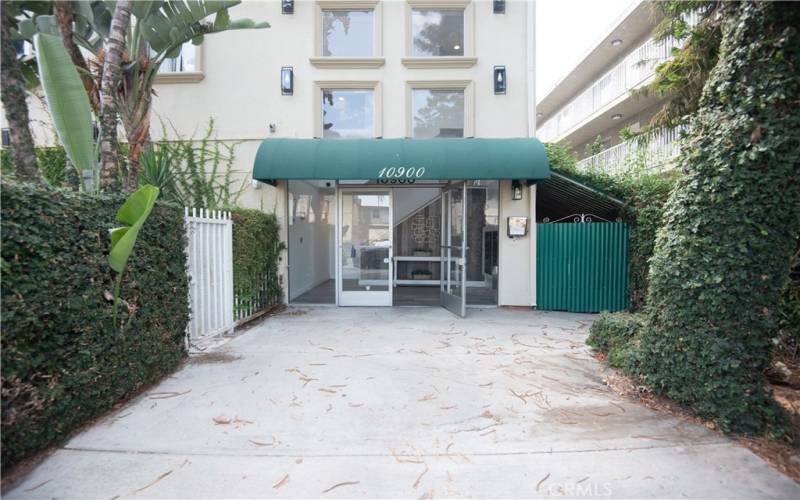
730 228
257 248
63 362
614 334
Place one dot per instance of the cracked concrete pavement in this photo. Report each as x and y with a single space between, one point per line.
398 402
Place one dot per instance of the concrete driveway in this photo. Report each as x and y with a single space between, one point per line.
399 402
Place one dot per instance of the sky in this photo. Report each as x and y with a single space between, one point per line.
565 31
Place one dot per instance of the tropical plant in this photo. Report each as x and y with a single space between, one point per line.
158 31
157 170
13 91
67 102
133 213
682 77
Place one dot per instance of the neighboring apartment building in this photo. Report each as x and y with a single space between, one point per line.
595 99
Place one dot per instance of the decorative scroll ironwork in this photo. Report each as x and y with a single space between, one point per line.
579 219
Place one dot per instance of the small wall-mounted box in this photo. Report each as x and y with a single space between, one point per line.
517 226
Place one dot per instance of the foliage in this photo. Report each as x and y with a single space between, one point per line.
596 146
731 225
156 170
157 33
202 170
614 334
682 77
67 101
257 248
644 194
52 164
62 363
133 213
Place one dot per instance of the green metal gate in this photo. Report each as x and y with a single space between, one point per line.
582 267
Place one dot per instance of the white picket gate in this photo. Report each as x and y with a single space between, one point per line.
210 266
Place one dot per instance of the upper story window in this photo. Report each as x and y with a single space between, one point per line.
348 33
437 113
437 32
348 113
440 34
185 62
185 68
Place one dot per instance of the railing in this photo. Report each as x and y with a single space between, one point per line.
652 153
631 72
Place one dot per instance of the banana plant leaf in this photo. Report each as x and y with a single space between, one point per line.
133 213
66 100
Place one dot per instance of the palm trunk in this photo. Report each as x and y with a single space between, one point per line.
64 18
12 87
114 47
138 132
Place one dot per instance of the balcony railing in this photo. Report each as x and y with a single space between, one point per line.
651 153
631 72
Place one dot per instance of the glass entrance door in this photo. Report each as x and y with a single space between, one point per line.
453 294
364 276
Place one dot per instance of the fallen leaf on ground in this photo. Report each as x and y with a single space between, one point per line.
346 483
281 482
159 478
419 478
427 397
541 481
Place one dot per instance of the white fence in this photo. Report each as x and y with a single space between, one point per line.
210 261
655 150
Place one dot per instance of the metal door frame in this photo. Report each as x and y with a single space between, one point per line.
456 305
362 298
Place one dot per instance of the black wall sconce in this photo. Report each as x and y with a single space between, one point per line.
287 6
6 137
287 80
499 6
516 190
499 80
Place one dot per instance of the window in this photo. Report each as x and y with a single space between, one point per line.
347 33
437 113
348 113
185 68
437 33
186 62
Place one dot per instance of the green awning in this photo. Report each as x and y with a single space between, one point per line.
367 159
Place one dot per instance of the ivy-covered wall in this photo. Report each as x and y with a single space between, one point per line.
63 363
730 228
257 251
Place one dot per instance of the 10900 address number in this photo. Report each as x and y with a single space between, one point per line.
401 173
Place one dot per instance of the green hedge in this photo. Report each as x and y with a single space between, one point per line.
52 163
257 251
614 334
731 226
62 361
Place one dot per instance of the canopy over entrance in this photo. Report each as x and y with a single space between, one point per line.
438 159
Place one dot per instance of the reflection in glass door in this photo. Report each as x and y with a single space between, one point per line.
365 247
454 249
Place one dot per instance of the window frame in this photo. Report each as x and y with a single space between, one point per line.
377 102
468 60
466 86
185 76
375 61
